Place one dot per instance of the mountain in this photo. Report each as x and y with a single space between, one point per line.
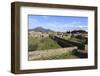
40 29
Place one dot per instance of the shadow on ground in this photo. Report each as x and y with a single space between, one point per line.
79 54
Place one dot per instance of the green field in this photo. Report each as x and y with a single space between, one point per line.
41 44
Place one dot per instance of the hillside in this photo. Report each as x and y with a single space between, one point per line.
40 29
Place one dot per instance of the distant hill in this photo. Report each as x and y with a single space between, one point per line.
40 29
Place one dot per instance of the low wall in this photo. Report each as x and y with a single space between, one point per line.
68 43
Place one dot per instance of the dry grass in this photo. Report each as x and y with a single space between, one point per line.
61 53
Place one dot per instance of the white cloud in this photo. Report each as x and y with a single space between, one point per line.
57 26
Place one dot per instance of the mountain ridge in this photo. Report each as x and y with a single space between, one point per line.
40 29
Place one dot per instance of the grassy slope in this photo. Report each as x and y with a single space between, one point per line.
41 44
74 39
60 53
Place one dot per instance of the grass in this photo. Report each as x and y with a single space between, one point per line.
73 39
60 53
45 48
66 55
41 44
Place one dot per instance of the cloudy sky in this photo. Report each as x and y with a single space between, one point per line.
58 23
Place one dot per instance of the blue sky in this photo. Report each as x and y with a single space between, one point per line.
58 23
